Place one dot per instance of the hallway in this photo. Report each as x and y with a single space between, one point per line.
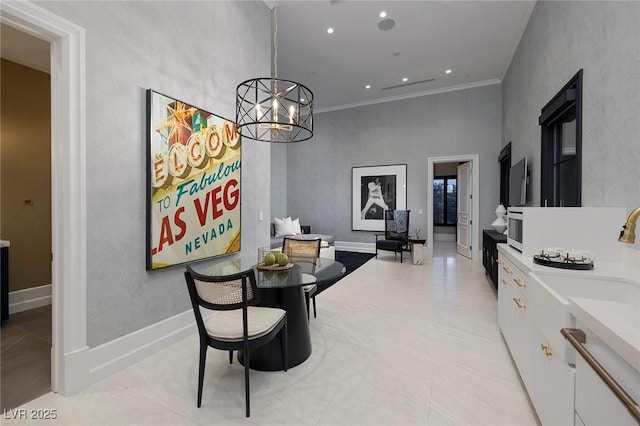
25 368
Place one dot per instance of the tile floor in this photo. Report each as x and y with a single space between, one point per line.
25 357
393 344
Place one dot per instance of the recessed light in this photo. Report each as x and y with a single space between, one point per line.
368 86
448 71
301 99
386 24
383 14
405 79
330 30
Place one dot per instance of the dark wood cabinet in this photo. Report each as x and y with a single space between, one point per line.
490 241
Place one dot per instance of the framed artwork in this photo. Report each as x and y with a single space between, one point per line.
193 183
374 190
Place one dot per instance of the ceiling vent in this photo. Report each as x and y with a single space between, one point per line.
409 84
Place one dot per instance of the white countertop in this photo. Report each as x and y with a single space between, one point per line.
601 270
617 324
5 243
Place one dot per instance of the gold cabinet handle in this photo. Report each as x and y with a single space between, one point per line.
500 262
546 350
519 283
505 282
520 305
507 270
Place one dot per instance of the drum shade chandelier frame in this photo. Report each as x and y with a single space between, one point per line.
272 109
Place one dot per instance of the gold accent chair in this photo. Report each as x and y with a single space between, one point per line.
306 250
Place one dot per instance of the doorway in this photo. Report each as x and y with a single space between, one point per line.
69 352
26 212
473 160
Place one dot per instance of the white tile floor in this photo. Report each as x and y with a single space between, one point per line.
393 344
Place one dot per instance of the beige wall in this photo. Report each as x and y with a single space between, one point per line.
25 174
445 169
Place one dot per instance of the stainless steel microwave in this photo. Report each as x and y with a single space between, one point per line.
515 228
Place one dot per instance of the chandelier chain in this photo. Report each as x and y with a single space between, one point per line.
275 40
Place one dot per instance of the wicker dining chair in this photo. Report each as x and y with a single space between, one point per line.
304 249
239 324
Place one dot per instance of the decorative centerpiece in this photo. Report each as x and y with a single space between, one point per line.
273 260
564 259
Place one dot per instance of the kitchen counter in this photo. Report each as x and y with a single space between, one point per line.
601 270
617 324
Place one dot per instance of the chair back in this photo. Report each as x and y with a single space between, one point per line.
301 249
236 291
222 293
396 225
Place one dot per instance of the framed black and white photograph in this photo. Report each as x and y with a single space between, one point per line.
374 190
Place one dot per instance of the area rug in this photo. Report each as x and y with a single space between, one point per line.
351 260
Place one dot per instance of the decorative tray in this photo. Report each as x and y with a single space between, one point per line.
274 267
563 262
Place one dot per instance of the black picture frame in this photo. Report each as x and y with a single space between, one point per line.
375 189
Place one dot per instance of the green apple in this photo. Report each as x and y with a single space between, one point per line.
269 259
282 259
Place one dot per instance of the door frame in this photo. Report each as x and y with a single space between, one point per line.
69 351
475 202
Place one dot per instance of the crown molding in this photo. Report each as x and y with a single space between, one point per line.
410 95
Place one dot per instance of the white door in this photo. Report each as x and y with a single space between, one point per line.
464 209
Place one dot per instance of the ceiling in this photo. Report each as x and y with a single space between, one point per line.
24 49
474 39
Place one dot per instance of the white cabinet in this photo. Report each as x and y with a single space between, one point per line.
535 342
595 403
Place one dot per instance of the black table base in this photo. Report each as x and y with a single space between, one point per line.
269 357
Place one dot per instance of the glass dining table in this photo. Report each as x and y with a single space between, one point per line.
282 289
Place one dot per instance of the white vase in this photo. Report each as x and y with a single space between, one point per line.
500 224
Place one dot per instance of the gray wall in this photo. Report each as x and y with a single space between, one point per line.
279 181
408 131
603 38
194 51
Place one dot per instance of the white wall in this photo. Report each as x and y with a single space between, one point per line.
132 46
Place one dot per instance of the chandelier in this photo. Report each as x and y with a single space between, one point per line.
270 109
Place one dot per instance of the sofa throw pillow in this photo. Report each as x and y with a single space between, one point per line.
287 226
295 226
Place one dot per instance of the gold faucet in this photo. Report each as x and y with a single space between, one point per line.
628 233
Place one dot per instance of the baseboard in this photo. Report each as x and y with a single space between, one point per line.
118 354
29 298
354 246
444 237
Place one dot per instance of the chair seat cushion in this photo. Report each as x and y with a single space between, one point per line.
310 288
227 325
389 245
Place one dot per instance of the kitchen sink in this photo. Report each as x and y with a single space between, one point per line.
549 304
591 288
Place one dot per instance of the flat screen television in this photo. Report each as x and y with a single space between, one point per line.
518 183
